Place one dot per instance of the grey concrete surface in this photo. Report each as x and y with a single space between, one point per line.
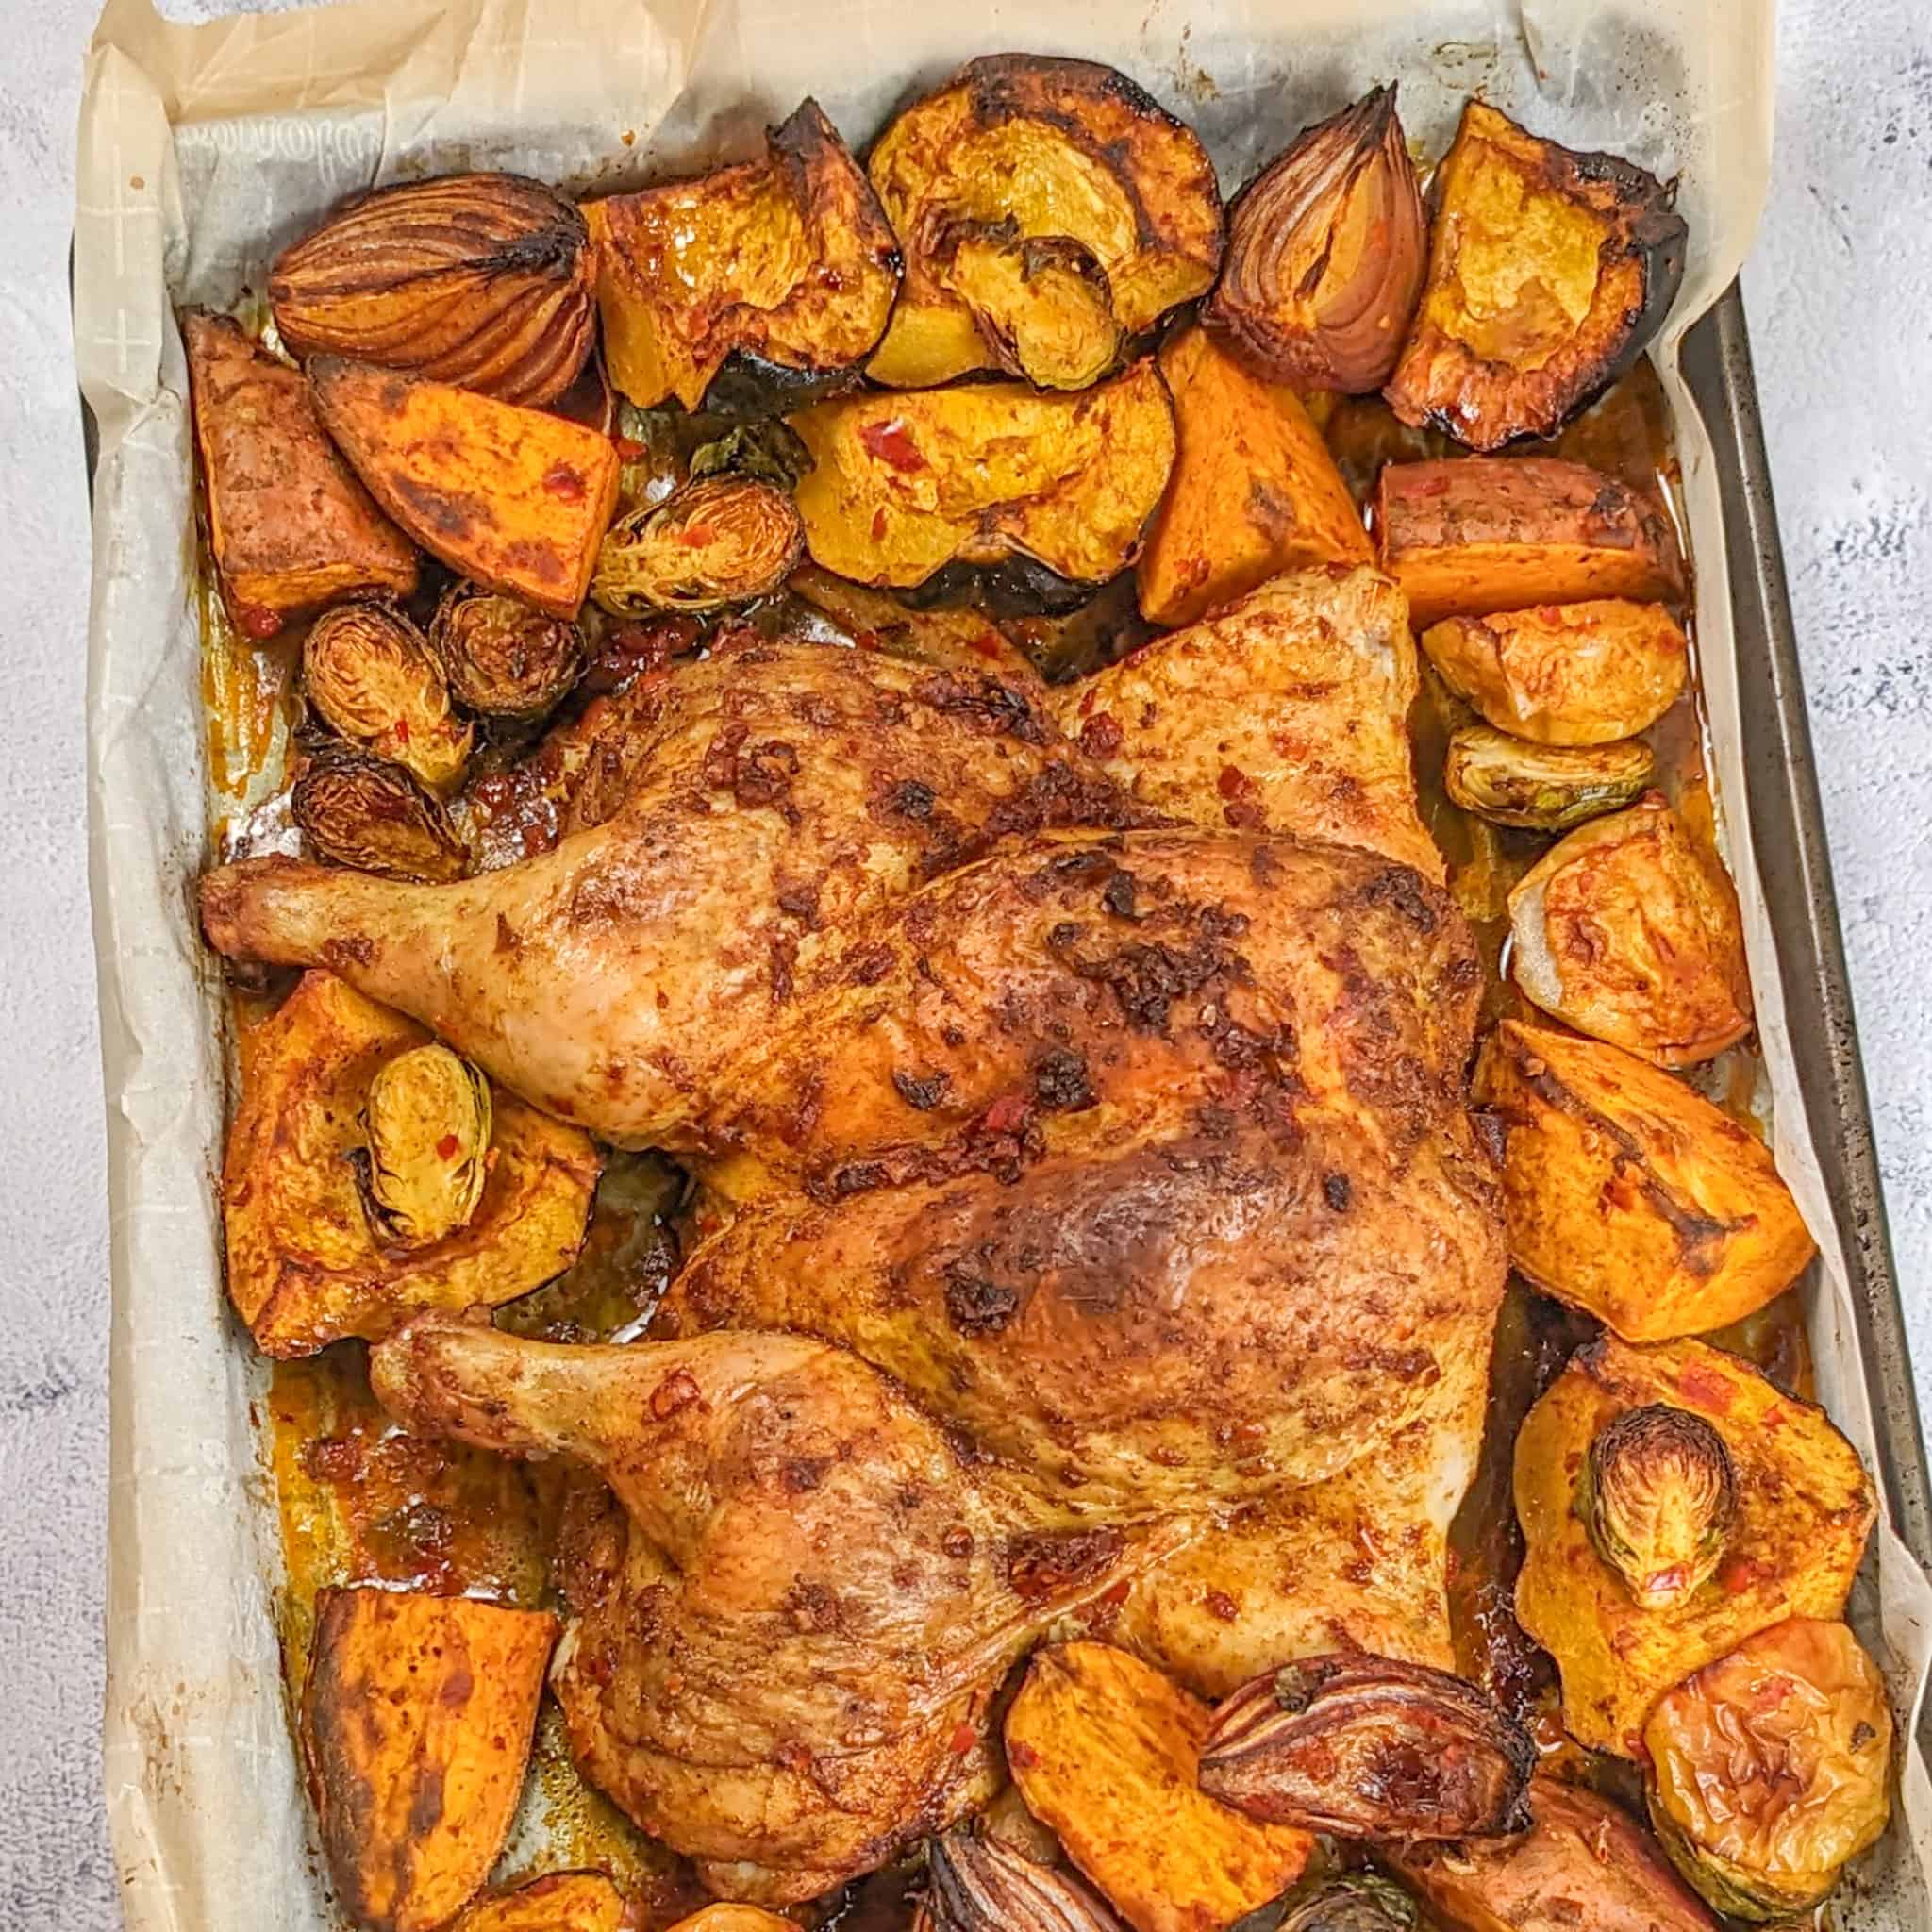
1840 300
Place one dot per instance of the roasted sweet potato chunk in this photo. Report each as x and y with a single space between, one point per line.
1107 1752
1015 151
1468 535
515 499
558 1902
1254 490
1628 1194
1549 270
991 475
305 1267
776 275
291 527
1802 1508
1628 930
416 1726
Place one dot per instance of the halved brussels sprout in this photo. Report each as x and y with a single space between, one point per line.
1512 782
363 811
503 657
1768 1767
1658 1497
1351 1902
428 1118
368 673
771 450
980 1885
721 540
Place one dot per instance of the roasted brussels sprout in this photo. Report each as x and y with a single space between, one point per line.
368 673
426 1119
1658 1497
1769 1768
1364 1746
1349 1902
1325 250
723 539
770 450
1543 787
502 657
980 1885
363 811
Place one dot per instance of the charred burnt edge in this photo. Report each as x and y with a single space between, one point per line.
748 386
1016 587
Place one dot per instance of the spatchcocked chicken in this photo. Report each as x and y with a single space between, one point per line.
1091 1164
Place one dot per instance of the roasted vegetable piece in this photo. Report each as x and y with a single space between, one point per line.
1804 1506
1349 1902
363 811
1020 149
514 499
1770 1768
1549 270
754 287
734 1918
1324 254
1565 673
986 474
980 1885
557 1902
952 639
304 1268
1465 536
416 1726
1629 1195
487 280
1583 1866
1658 1498
1366 1747
1628 930
721 540
1542 787
426 1120
290 528
502 657
768 450
1106 1752
1254 492
368 673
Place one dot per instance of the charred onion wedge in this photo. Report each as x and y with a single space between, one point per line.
1769 1768
426 1122
368 673
756 286
1658 1497
366 812
1542 787
502 657
979 1884
1034 150
723 539
486 280
1367 1747
1549 270
1325 249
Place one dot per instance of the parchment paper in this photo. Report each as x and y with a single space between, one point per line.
202 151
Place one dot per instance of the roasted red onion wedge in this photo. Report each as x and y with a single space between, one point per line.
1326 253
1366 1747
980 1885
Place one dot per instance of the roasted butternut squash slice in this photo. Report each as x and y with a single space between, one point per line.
754 288
514 499
1801 1508
291 527
1468 535
416 1725
1253 490
305 1265
1549 270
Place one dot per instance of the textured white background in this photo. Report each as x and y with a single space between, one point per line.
1841 299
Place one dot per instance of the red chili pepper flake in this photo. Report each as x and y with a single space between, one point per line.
988 644
1707 1389
964 1737
1736 1574
1100 734
563 482
1025 1755
1006 1115
1222 1605
679 1389
893 444
447 1147
401 728
694 536
878 523
628 448
1243 809
258 620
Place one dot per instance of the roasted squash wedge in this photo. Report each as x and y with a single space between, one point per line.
987 474
1016 151
757 287
1470 536
1629 1195
1253 490
417 1717
291 527
1105 1751
1802 1508
305 1267
876 621
1549 270
511 498
557 1902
